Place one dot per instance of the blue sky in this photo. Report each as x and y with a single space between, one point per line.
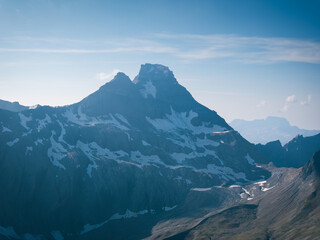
244 59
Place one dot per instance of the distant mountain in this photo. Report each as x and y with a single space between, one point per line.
293 154
12 106
269 129
117 162
288 210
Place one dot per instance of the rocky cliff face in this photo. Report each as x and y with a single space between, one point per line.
128 153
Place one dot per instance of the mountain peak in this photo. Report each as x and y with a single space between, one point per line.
155 73
121 77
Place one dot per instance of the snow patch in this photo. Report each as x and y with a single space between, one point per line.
263 189
82 119
138 157
169 208
201 189
43 122
5 129
260 183
38 141
224 172
28 150
94 152
149 89
176 120
24 120
182 157
11 143
56 152
249 159
144 143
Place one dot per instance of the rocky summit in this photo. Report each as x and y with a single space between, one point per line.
114 164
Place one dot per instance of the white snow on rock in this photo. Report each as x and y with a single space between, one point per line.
24 120
116 120
222 132
224 172
11 143
57 235
249 159
176 120
182 157
28 150
189 142
201 189
56 152
263 189
138 157
144 143
5 129
61 136
166 209
116 216
42 123
8 232
94 152
38 141
149 89
260 183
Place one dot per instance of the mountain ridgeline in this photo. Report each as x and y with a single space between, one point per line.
117 162
295 153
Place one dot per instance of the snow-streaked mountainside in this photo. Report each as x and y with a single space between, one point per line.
12 106
269 129
129 152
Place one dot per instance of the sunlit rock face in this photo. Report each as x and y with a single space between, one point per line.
131 150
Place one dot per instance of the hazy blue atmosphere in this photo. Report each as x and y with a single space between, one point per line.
244 59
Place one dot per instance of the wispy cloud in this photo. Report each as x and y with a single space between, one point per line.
307 101
149 49
262 103
247 49
290 99
106 77
187 47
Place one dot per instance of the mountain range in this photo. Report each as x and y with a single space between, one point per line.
295 153
118 162
269 129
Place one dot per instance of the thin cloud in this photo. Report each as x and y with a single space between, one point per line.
306 102
106 77
249 50
262 103
149 49
289 100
